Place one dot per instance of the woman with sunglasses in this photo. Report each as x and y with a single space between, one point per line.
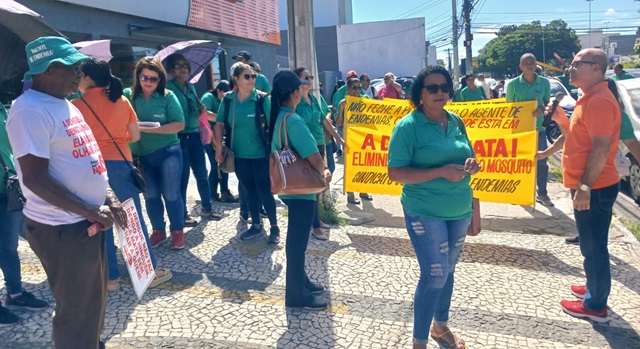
248 143
368 89
114 125
353 89
159 149
299 290
317 119
430 153
193 155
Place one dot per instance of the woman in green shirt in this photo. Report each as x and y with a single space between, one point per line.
193 155
286 94
318 121
430 153
159 149
246 121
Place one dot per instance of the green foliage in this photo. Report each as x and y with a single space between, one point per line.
441 63
502 55
630 65
328 212
636 46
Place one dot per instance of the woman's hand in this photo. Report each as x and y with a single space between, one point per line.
327 175
341 142
472 166
453 173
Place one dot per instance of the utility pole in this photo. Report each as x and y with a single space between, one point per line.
449 61
468 37
302 47
590 1
454 40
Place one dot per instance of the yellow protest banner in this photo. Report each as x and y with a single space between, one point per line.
502 134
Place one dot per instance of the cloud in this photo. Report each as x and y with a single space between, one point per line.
610 13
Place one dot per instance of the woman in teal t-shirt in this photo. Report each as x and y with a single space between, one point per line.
159 149
241 126
430 153
286 94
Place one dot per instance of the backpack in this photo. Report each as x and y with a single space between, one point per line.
260 119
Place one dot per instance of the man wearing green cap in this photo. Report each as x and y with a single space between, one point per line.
64 180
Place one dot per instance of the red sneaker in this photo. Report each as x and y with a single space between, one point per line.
579 290
577 309
157 237
177 240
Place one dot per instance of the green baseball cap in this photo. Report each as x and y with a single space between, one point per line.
43 51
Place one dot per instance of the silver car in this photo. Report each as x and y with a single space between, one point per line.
630 95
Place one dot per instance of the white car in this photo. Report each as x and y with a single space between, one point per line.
630 94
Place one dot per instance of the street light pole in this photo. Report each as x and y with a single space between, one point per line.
590 1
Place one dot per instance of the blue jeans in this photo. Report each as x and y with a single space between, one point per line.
593 229
253 176
122 185
193 158
9 259
162 170
438 245
214 180
331 161
543 168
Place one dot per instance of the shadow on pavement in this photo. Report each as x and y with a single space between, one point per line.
623 336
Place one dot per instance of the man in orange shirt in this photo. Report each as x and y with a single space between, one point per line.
589 170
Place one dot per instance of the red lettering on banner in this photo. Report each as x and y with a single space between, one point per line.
368 142
384 146
485 148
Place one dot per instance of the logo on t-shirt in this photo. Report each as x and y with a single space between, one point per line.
98 166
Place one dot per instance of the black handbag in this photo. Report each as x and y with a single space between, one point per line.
12 199
136 175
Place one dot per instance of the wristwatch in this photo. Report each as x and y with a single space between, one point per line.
584 187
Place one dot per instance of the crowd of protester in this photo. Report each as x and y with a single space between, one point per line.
429 152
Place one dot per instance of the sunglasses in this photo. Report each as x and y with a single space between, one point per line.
310 77
576 64
367 80
433 88
355 87
250 76
182 66
143 77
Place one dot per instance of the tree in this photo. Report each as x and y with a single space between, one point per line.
501 55
636 46
441 63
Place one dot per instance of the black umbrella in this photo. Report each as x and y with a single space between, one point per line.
19 25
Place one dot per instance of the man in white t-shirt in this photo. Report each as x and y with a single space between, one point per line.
64 180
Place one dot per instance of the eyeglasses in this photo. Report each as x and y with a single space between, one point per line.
310 77
143 77
250 76
576 64
186 66
433 88
355 87
367 80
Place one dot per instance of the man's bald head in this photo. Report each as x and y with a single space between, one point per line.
595 55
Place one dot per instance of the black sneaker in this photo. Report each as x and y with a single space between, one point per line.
315 304
575 240
228 197
189 222
251 233
315 288
215 198
7 318
274 235
544 200
101 345
25 301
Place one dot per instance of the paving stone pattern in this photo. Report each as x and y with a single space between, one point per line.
227 293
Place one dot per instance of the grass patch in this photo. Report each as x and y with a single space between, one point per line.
328 212
633 228
555 171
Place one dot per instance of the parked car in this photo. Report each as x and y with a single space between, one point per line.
630 95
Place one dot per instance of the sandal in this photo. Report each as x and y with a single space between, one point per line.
352 200
365 196
324 225
319 234
162 275
458 343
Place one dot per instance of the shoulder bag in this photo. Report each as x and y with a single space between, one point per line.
228 157
136 175
475 225
291 174
12 198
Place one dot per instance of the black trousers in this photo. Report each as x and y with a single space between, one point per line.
300 218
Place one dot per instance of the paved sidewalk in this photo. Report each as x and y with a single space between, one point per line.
230 294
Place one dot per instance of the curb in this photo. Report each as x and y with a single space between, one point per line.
629 238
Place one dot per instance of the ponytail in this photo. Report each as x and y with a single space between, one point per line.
276 94
115 88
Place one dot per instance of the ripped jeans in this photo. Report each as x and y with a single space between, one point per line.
438 245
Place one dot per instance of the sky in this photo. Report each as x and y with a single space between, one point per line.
613 16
